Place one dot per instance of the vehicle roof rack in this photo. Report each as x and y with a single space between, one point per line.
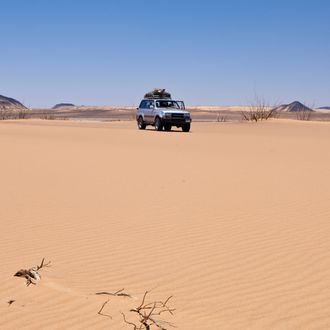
157 93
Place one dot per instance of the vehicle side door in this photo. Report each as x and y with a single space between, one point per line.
153 111
149 111
143 110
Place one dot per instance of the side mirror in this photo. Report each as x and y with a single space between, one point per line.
152 107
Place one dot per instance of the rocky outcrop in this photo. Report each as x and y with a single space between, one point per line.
63 105
8 103
293 107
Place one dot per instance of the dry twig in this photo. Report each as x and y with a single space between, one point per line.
101 309
118 293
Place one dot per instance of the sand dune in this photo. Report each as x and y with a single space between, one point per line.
232 219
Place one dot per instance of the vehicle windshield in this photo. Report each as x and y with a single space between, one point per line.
167 104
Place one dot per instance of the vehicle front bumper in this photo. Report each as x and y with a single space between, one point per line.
176 121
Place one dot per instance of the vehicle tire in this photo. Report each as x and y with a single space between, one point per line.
186 128
140 123
167 127
158 124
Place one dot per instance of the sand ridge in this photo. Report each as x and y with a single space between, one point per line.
231 219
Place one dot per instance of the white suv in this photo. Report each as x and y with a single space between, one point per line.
163 113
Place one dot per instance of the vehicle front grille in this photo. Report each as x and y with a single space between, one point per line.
179 116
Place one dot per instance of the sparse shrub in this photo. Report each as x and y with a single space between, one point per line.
22 114
3 113
259 111
13 113
46 115
148 314
304 114
221 118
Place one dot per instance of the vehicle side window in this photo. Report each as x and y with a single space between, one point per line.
143 104
149 104
146 104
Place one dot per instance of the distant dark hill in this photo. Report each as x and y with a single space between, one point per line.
63 105
293 107
9 103
324 108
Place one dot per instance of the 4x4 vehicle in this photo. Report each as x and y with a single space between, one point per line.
163 113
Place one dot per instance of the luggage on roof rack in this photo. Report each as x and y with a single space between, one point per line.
157 94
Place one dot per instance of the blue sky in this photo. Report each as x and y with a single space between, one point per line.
205 52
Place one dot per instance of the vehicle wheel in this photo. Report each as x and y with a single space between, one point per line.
141 124
186 128
158 124
167 127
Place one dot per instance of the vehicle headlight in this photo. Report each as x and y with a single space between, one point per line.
167 115
187 115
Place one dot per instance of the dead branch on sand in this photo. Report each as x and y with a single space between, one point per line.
101 310
118 293
32 275
147 313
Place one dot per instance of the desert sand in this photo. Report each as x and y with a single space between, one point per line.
232 219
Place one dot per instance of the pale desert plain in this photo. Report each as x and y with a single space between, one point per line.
231 219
